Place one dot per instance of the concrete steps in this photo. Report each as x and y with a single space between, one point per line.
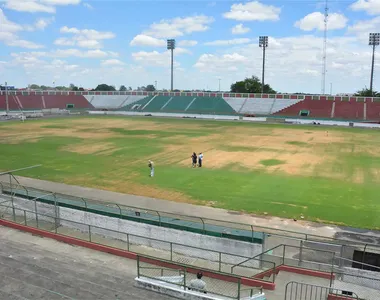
39 268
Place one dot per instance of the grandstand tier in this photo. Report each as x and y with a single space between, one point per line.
305 106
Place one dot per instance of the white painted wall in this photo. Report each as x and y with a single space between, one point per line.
146 234
161 114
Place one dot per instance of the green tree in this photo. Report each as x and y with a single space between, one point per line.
367 93
34 86
105 87
251 85
122 88
150 88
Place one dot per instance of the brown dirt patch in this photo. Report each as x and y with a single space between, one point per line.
89 148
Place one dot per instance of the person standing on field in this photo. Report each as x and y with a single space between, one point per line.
200 159
194 159
151 166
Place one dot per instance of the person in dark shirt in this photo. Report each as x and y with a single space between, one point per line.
194 159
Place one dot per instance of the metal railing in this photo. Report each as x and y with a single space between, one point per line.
308 258
303 291
195 224
179 276
161 249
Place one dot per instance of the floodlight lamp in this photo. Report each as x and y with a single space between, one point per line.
263 41
171 44
374 39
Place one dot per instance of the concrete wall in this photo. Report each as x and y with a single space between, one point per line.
159 114
332 123
362 277
149 235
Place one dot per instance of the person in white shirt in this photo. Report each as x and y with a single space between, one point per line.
198 284
151 166
200 159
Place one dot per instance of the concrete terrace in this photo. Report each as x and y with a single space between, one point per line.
32 267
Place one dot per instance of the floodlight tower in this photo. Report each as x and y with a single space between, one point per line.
374 40
263 43
171 47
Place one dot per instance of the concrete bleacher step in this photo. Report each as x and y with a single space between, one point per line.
47 259
86 284
25 290
52 285
8 296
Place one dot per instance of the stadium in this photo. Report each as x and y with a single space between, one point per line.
201 193
76 171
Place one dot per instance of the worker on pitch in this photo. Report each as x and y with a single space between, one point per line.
151 166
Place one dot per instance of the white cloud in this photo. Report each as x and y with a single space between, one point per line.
112 62
253 11
87 5
78 53
29 6
41 24
145 40
23 44
8 30
228 42
179 26
154 58
372 7
315 20
365 27
88 33
34 6
187 43
84 38
215 63
240 29
64 42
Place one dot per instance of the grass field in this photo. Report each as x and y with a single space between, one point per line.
286 171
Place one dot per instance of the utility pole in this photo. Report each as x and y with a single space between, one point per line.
374 40
323 87
6 98
330 88
171 47
219 85
263 43
155 85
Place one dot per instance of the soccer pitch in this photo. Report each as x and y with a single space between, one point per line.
325 174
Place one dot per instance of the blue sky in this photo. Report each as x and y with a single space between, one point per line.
124 42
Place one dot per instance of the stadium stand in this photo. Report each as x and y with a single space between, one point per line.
260 106
216 105
156 104
12 102
350 110
137 105
312 108
31 102
177 104
236 103
280 104
66 101
111 101
373 110
285 105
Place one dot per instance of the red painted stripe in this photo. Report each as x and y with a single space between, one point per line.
336 297
130 255
306 272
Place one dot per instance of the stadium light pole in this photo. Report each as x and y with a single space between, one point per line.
263 43
219 84
374 40
6 98
171 47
